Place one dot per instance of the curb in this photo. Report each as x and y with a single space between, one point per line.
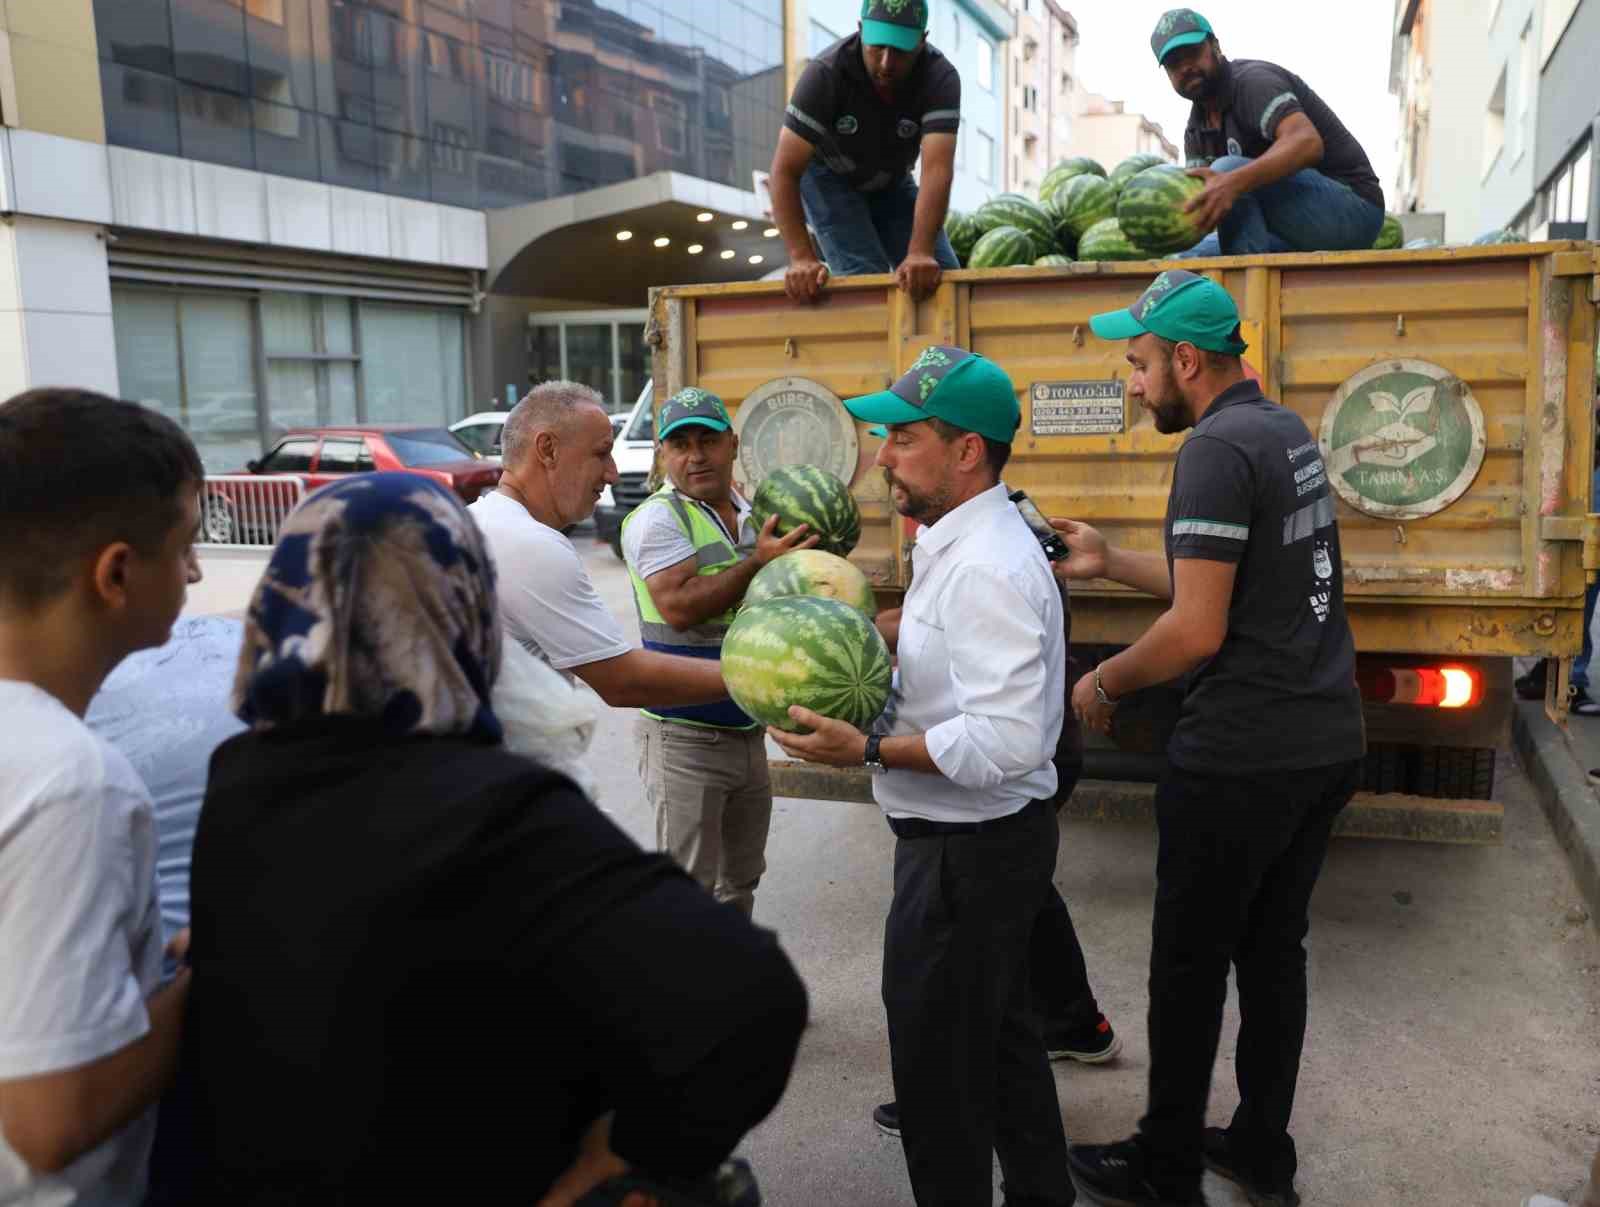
1564 792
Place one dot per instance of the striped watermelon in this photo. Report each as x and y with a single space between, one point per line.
1080 165
798 649
1390 235
1132 166
1083 201
962 231
1150 210
812 572
1105 241
1066 244
810 495
1022 214
1003 247
1052 261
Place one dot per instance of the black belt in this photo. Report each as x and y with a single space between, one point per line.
922 827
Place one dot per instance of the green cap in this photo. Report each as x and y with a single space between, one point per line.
1180 306
897 23
964 389
692 406
1178 27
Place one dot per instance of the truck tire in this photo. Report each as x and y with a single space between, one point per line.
1384 771
1454 772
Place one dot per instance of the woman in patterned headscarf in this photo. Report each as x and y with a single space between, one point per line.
427 969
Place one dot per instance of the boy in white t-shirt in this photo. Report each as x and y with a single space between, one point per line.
101 506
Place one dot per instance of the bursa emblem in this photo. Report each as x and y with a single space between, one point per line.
847 124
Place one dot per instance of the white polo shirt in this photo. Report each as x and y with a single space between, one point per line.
983 666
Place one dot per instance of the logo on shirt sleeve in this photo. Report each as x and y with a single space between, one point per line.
907 128
847 124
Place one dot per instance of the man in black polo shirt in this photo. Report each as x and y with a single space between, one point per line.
1267 750
861 113
1282 173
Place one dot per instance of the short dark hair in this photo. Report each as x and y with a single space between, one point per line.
1217 360
80 471
995 453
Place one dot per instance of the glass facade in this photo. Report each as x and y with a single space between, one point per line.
603 349
236 369
476 103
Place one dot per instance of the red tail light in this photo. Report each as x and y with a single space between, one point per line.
1424 686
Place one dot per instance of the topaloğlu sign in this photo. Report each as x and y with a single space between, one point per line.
1402 439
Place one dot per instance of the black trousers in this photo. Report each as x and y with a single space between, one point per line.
970 1072
1238 859
1057 973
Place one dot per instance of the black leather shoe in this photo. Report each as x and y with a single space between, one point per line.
1221 1161
1119 1175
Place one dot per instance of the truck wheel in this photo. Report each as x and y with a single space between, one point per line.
1455 772
1382 772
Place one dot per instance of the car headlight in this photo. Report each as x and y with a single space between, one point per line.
606 498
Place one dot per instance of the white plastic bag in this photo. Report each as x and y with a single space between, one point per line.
544 716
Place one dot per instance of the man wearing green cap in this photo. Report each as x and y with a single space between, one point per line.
861 113
692 550
1268 746
965 777
1281 171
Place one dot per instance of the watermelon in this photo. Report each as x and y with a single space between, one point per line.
1066 244
810 495
1497 236
1022 214
1105 241
1132 166
1083 201
1064 171
1055 260
798 649
1150 210
812 572
1003 247
962 231
1390 235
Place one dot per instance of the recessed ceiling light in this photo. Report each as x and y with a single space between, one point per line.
662 241
770 233
728 255
624 236
740 225
704 216
696 248
756 259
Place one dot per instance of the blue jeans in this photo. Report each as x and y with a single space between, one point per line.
1580 665
864 232
1303 212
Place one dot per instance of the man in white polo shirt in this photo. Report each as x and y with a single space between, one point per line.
965 780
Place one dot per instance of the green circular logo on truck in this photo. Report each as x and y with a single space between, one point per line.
1402 439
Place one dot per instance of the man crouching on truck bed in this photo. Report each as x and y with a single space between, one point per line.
1267 750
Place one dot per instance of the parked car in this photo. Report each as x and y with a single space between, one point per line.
238 511
635 454
481 432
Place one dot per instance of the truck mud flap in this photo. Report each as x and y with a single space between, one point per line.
1369 815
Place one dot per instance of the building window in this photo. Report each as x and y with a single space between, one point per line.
508 81
1030 98
1526 71
985 156
985 64
672 134
603 349
1494 124
236 369
1566 197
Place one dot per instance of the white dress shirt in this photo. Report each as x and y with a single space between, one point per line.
983 666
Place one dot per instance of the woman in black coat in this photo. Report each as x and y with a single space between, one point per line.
426 969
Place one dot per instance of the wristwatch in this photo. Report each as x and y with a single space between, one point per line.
871 758
1100 692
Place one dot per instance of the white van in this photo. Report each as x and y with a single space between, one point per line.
634 453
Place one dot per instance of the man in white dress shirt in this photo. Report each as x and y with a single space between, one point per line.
965 777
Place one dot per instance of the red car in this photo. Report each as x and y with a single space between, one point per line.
240 511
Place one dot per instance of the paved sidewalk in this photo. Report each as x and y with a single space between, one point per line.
1558 761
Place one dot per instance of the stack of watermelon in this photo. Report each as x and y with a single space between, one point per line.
1135 212
1390 235
804 634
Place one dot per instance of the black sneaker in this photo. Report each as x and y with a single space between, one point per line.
1531 685
1118 1175
1219 1160
886 1119
1583 704
1091 1045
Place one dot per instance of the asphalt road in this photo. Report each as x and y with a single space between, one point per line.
1453 1057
